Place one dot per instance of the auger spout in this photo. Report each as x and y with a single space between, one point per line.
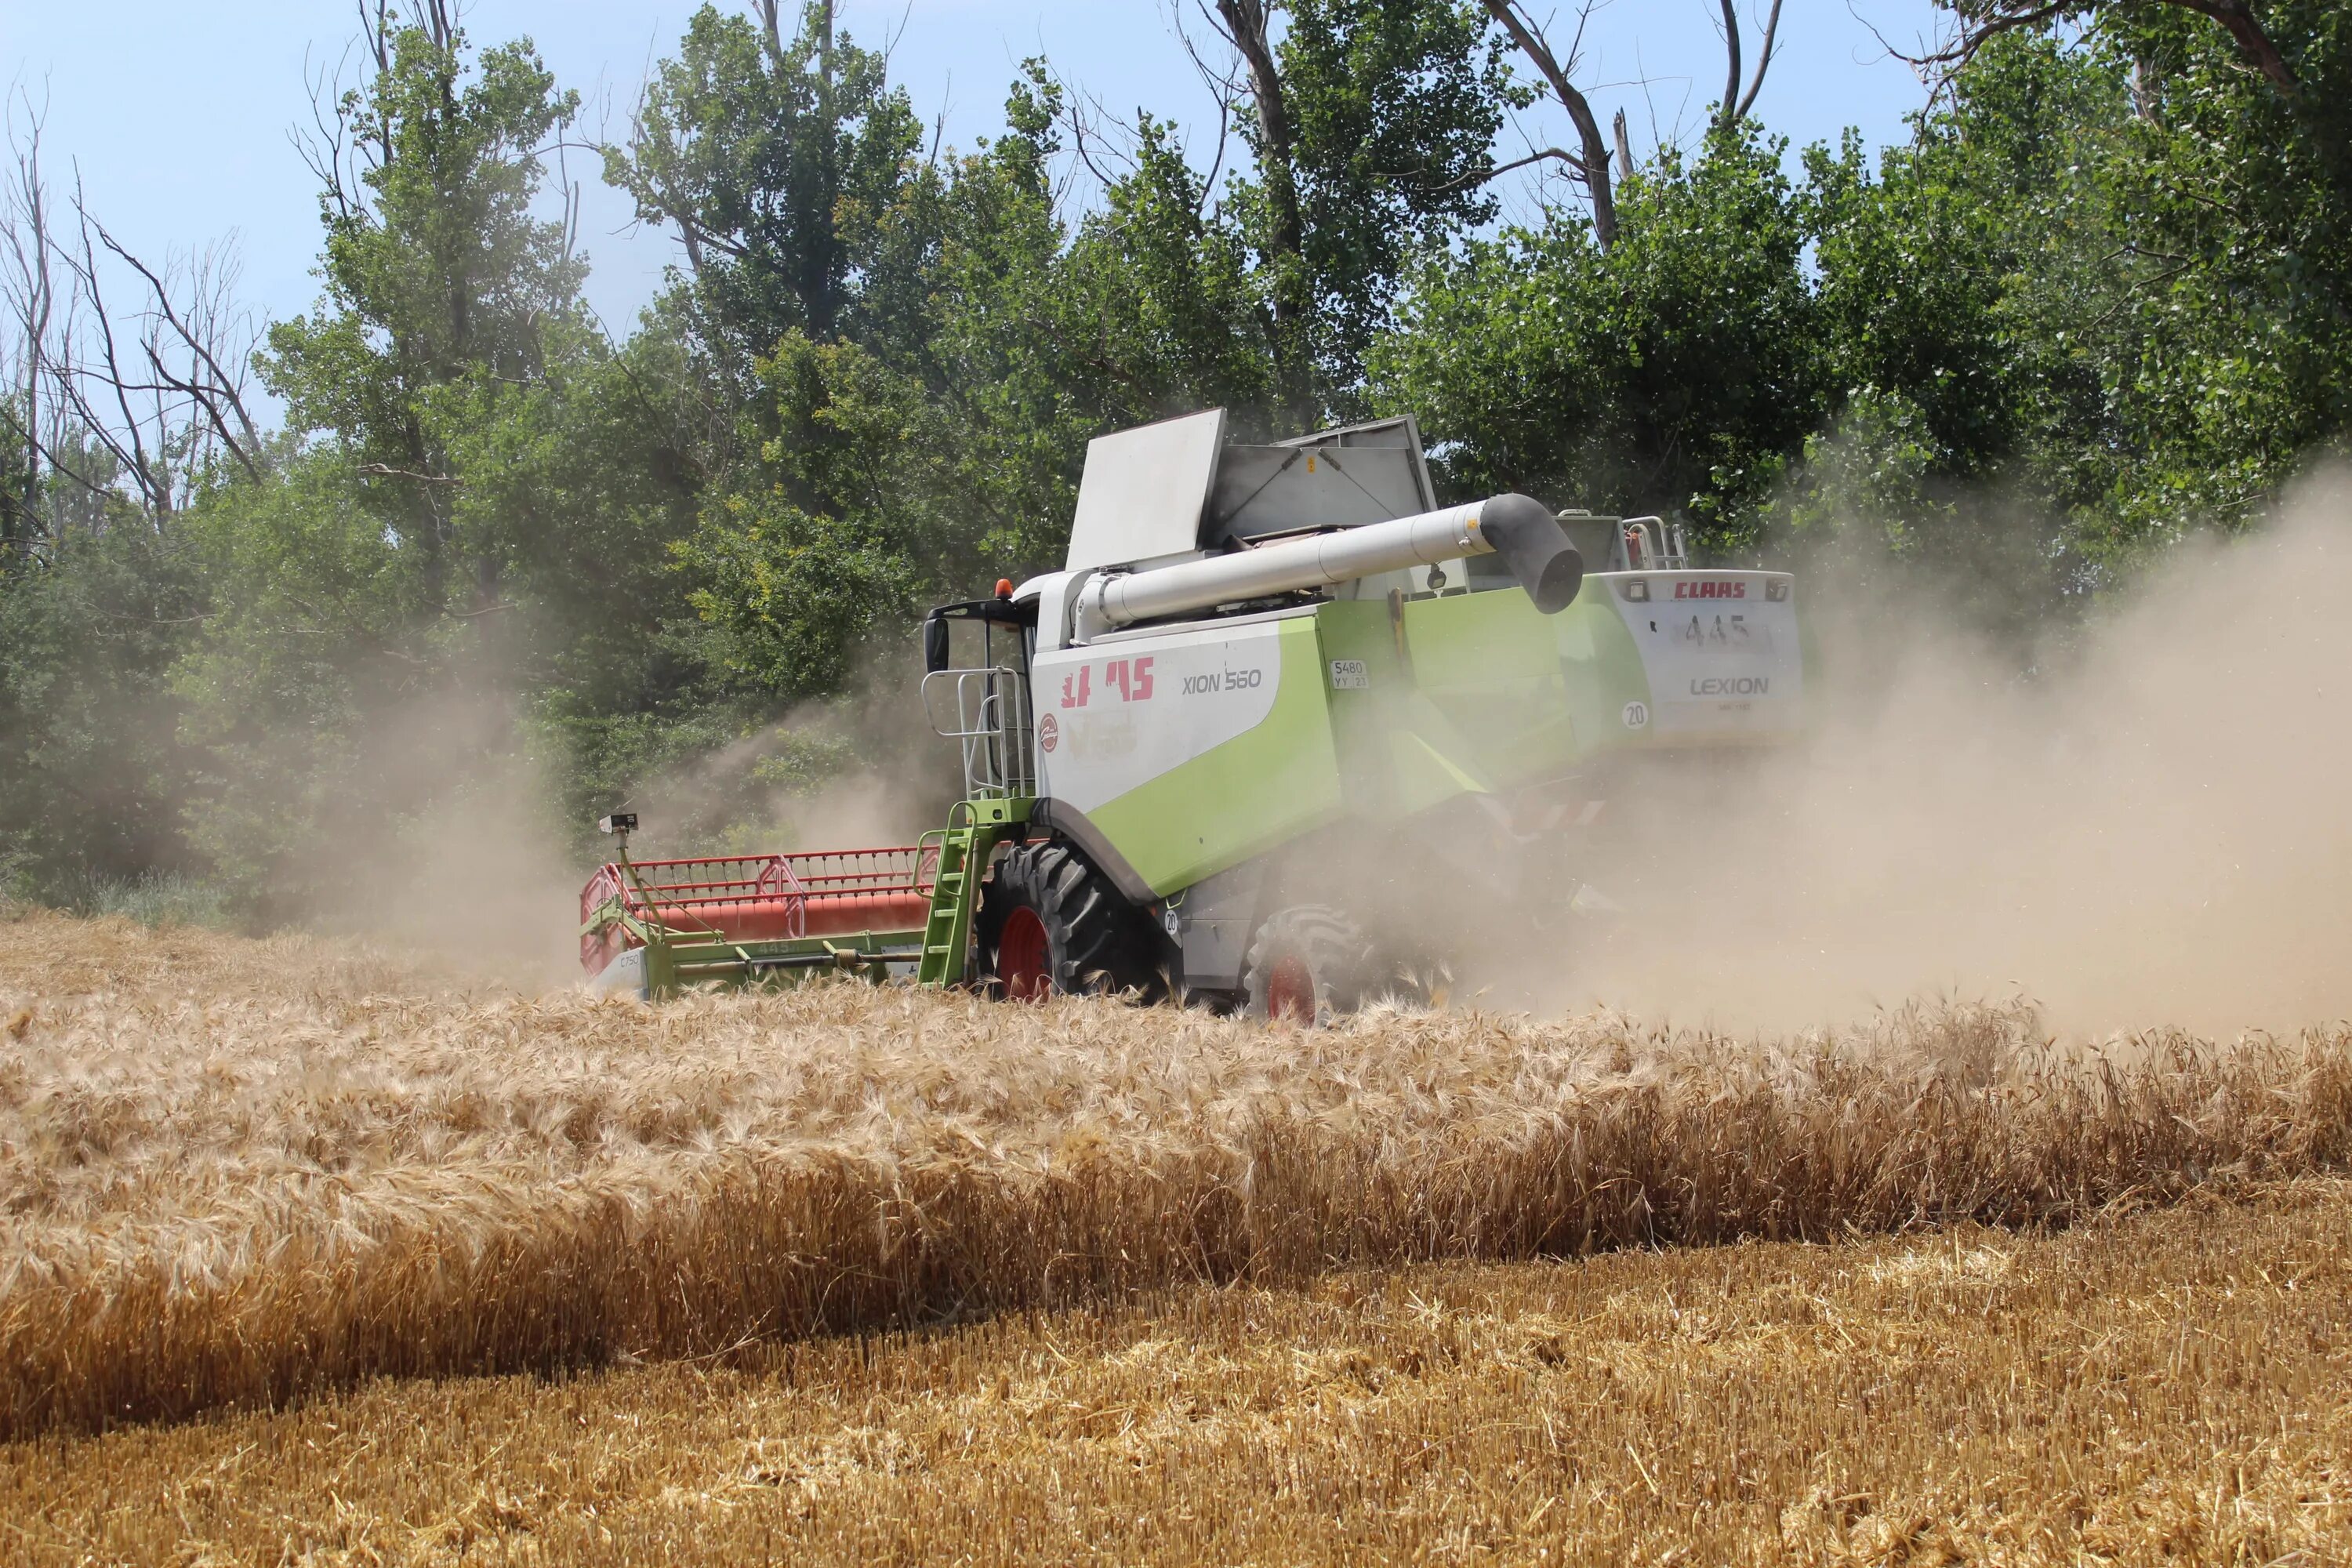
1517 528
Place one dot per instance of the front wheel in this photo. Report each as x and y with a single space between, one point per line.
1049 923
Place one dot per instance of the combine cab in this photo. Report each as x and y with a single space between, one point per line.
1281 735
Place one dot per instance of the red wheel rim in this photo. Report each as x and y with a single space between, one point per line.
1021 957
1290 990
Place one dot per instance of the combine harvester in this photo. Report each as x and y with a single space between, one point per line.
1283 734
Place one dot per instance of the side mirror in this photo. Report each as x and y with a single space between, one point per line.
935 644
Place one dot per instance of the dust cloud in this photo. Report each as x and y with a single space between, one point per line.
2144 822
474 870
479 869
863 771
2148 825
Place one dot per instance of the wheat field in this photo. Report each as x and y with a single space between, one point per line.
2164 1387
240 1173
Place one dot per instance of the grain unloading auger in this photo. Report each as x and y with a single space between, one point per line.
1283 734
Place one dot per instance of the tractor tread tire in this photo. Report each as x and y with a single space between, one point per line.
1095 940
1343 967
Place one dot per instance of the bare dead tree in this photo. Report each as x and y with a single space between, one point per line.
1588 164
172 366
1981 21
126 441
109 403
1735 103
197 344
29 292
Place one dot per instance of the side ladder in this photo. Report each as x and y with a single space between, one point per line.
974 829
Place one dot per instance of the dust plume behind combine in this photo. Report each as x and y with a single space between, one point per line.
482 870
2150 826
2144 822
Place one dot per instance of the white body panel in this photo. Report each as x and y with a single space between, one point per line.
1141 496
1114 717
1720 651
625 973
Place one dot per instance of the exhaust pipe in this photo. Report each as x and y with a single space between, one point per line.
1520 528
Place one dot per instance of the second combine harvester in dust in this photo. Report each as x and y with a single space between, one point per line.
1283 734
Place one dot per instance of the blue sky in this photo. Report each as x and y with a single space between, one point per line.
177 113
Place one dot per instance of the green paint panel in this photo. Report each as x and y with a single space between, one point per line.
1399 751
1601 667
1490 664
1260 789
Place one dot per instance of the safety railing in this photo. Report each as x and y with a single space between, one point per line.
986 712
1653 545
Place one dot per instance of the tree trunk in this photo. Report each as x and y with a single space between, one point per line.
1286 238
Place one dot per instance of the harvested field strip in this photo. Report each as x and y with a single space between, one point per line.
2168 1388
236 1177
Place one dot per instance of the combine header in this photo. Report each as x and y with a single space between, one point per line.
1282 735
655 925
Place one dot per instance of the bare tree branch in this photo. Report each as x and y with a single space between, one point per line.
1225 86
1247 26
128 441
771 30
1763 63
1540 155
1728 115
1981 21
1590 165
386 471
1735 104
210 386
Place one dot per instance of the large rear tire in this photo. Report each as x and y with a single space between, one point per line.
1309 965
1049 923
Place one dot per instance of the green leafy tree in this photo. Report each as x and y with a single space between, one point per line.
1967 299
89 761
445 537
797 571
2109 275
445 295
1372 125
1677 371
780 161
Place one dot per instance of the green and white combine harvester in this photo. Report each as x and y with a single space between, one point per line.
1283 734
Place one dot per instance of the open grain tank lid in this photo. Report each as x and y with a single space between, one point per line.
1162 492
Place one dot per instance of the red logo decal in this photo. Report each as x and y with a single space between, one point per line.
1710 590
1132 677
1049 733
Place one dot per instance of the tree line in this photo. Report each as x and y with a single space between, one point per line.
2101 298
